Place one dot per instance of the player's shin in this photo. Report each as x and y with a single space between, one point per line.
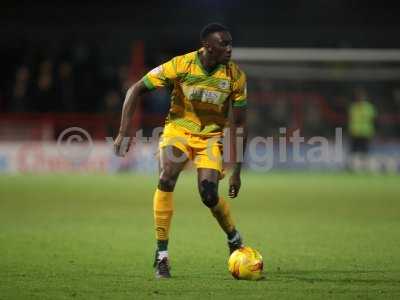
222 213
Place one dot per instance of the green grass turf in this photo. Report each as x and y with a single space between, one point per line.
91 237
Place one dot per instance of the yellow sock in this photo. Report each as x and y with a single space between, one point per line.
223 215
163 210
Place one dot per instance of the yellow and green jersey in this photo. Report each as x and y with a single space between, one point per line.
362 115
199 100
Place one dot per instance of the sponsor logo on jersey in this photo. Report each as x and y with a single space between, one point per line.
199 94
210 97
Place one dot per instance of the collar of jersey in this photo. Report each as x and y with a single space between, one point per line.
198 62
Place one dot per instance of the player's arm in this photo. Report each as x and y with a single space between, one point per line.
157 78
132 98
239 124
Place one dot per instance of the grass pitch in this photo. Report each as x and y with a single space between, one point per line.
91 237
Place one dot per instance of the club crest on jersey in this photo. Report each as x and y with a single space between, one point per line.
223 84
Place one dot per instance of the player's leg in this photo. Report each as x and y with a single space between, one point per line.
353 160
208 180
172 161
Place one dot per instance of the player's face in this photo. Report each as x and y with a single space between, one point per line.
220 46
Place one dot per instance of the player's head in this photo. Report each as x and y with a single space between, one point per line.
360 94
217 41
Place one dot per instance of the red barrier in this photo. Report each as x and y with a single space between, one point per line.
48 126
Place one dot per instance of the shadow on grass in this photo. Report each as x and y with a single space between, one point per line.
339 276
361 277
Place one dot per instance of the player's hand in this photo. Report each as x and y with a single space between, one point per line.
121 145
234 185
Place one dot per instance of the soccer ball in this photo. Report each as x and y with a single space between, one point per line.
246 263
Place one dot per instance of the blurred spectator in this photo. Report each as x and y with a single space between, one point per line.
124 83
279 112
112 105
313 121
361 129
20 99
396 97
65 88
112 102
44 94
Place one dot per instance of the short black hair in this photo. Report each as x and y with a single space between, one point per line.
211 28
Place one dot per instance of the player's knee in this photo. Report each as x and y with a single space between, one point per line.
209 193
166 185
167 180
